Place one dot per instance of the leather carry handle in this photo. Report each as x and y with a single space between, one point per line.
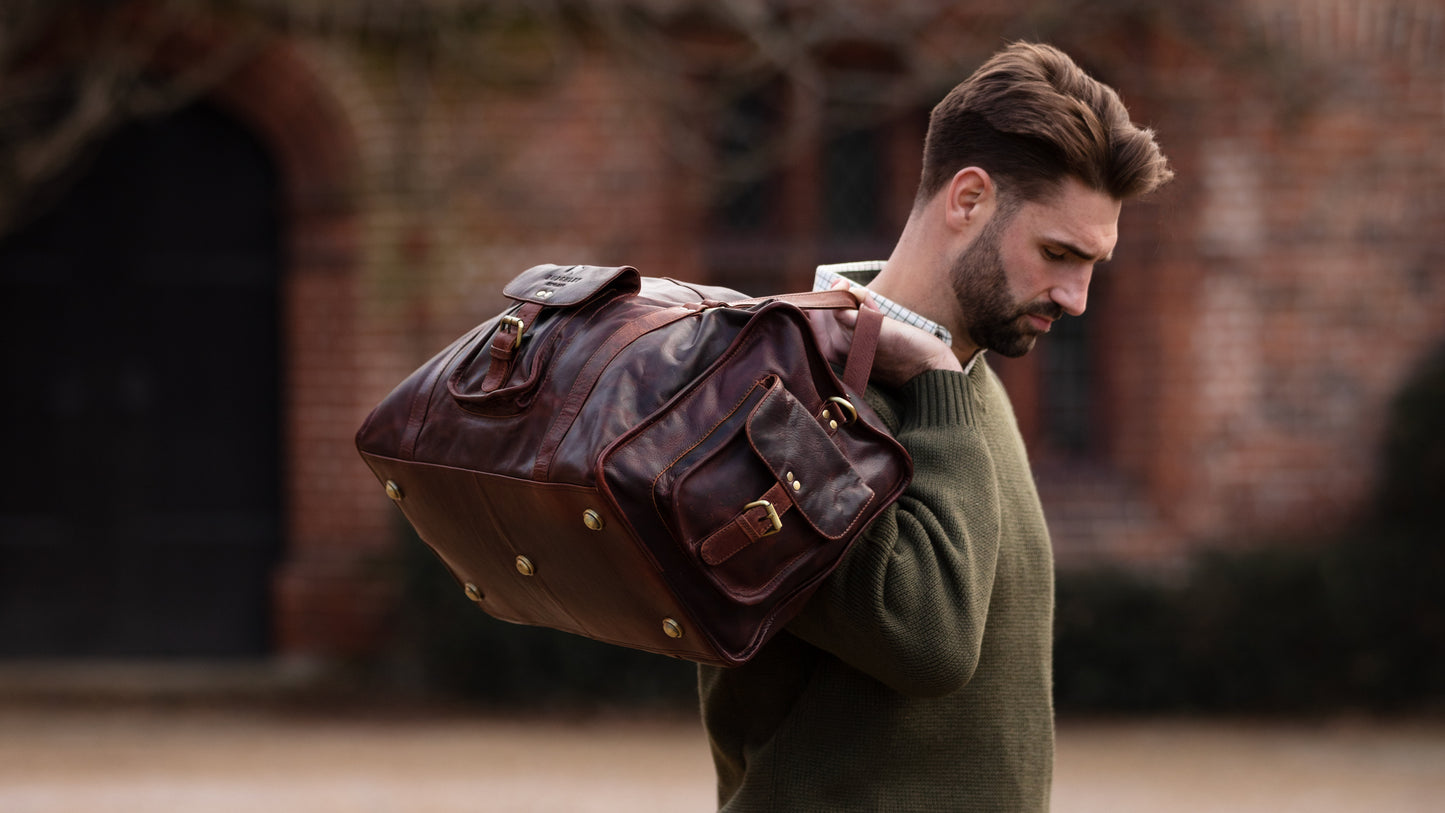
865 333
865 347
831 299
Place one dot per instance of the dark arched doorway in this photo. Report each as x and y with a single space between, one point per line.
141 511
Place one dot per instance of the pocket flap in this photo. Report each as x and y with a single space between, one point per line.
562 286
821 481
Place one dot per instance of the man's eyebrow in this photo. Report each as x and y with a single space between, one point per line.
1082 254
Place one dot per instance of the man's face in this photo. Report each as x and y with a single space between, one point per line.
1029 267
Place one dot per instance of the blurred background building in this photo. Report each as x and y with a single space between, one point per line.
230 227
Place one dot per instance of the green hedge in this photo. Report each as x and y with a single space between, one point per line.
1352 622
1357 624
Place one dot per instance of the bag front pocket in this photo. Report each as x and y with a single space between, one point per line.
760 494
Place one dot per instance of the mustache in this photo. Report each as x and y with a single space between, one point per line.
1049 310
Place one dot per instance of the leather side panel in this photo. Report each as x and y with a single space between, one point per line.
599 584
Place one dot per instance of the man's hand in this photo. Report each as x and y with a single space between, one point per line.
904 351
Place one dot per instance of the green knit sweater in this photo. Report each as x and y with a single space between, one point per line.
918 678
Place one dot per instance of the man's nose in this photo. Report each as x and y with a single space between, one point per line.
1072 293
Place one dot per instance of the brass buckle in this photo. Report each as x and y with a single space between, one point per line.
845 406
515 324
772 515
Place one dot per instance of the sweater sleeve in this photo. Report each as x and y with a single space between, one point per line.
908 604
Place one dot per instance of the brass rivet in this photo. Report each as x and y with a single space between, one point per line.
544 294
797 484
393 490
524 566
826 415
672 628
790 477
474 593
832 424
592 520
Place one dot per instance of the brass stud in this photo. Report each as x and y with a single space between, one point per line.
826 415
474 593
524 566
790 477
797 485
832 424
672 628
592 520
393 490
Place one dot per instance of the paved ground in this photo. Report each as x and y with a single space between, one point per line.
150 757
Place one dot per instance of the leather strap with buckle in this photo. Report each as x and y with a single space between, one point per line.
506 341
759 519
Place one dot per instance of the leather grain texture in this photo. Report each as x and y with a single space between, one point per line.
639 460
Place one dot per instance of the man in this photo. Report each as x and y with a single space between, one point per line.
919 677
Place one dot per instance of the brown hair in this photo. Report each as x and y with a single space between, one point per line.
1030 117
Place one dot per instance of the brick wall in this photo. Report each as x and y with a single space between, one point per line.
1313 218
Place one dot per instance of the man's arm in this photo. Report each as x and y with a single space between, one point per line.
908 603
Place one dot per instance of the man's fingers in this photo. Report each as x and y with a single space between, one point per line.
863 295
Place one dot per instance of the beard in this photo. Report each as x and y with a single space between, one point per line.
994 321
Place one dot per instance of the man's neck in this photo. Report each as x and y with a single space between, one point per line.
917 278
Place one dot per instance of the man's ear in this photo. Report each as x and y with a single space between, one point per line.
969 199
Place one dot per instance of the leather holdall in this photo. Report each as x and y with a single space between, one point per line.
654 464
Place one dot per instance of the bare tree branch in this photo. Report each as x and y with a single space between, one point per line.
71 71
74 71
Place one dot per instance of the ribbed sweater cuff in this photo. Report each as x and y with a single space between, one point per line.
937 398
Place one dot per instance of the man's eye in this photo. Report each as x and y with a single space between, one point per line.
1054 255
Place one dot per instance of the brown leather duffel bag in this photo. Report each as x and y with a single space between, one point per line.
658 465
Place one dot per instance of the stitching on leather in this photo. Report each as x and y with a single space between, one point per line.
652 492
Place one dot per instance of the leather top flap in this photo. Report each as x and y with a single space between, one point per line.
562 286
822 483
